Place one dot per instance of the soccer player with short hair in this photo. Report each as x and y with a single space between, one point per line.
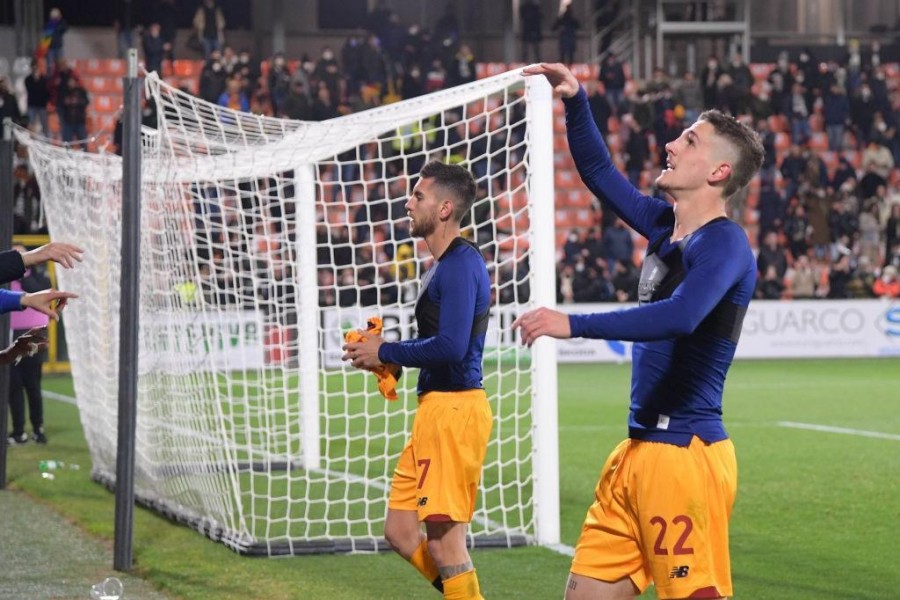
665 494
437 475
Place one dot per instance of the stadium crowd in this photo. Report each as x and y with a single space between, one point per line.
825 214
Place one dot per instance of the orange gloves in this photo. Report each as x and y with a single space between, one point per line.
386 374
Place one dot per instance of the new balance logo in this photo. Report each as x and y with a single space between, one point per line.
679 572
423 500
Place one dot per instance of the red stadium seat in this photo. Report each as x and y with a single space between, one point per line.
187 68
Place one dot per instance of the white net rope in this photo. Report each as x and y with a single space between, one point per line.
263 241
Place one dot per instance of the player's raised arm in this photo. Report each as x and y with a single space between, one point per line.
592 158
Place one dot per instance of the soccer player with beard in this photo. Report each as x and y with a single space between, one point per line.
437 475
665 494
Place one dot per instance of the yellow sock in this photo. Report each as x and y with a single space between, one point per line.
424 564
463 587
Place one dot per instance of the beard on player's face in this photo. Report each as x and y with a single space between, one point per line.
423 225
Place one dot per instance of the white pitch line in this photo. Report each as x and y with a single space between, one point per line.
844 430
60 397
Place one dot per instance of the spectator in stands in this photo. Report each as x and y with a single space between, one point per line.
883 132
567 26
770 286
742 79
72 111
229 59
234 97
772 254
772 207
689 94
37 88
767 137
249 70
888 284
572 247
26 202
818 208
531 17
637 149
836 113
322 107
799 115
617 245
600 107
761 104
351 62
212 79
869 233
793 165
461 68
612 75
877 162
279 82
839 277
801 280
842 223
862 113
797 230
892 232
298 104
328 71
209 24
51 44
165 13
842 173
625 282
782 81
373 63
154 48
709 79
9 106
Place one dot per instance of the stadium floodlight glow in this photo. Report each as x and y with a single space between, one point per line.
262 241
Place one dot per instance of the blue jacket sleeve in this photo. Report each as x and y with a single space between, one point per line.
599 172
711 271
11 266
456 292
10 301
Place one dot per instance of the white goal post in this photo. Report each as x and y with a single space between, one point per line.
263 240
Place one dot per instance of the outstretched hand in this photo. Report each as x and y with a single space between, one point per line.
28 344
65 254
560 77
49 302
542 321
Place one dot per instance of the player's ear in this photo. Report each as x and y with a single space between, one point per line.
720 174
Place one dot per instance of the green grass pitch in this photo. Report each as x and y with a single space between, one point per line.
816 516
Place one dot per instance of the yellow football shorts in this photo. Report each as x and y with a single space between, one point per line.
440 467
661 515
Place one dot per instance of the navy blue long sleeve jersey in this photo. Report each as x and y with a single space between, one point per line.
11 268
693 297
451 316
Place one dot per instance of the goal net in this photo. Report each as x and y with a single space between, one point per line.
263 241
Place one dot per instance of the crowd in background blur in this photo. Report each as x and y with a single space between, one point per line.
825 215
